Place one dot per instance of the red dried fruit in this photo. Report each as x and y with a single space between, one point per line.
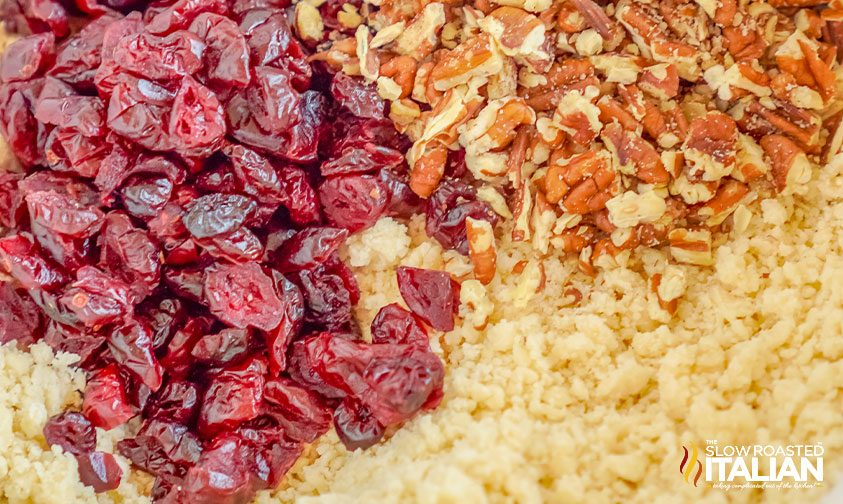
309 248
96 298
448 208
62 214
177 401
72 432
20 319
353 202
21 258
224 474
233 396
394 324
99 470
242 295
197 124
225 347
432 295
217 214
129 253
327 297
82 342
303 414
355 425
162 447
359 98
393 381
131 347
25 58
105 403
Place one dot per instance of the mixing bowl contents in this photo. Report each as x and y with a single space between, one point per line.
275 237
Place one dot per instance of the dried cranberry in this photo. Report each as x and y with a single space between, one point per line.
225 347
177 359
432 295
72 432
302 414
99 470
131 347
357 97
162 447
82 342
448 208
299 197
177 401
96 298
353 202
20 258
20 319
197 124
242 295
355 425
105 402
25 58
309 248
226 55
393 381
329 301
233 396
128 252
217 214
224 473
279 339
394 324
361 159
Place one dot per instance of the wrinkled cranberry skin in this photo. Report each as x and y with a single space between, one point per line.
329 301
361 99
85 343
99 470
131 346
72 432
96 298
355 425
393 381
27 57
162 447
242 295
177 401
394 324
224 473
302 414
432 295
448 208
309 248
105 402
233 396
225 347
20 319
354 202
20 258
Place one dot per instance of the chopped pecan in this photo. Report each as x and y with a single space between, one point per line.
481 245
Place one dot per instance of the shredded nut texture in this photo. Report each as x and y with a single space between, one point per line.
647 123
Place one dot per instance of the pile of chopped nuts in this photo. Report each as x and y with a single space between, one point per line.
601 127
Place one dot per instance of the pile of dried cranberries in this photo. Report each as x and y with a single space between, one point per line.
188 179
